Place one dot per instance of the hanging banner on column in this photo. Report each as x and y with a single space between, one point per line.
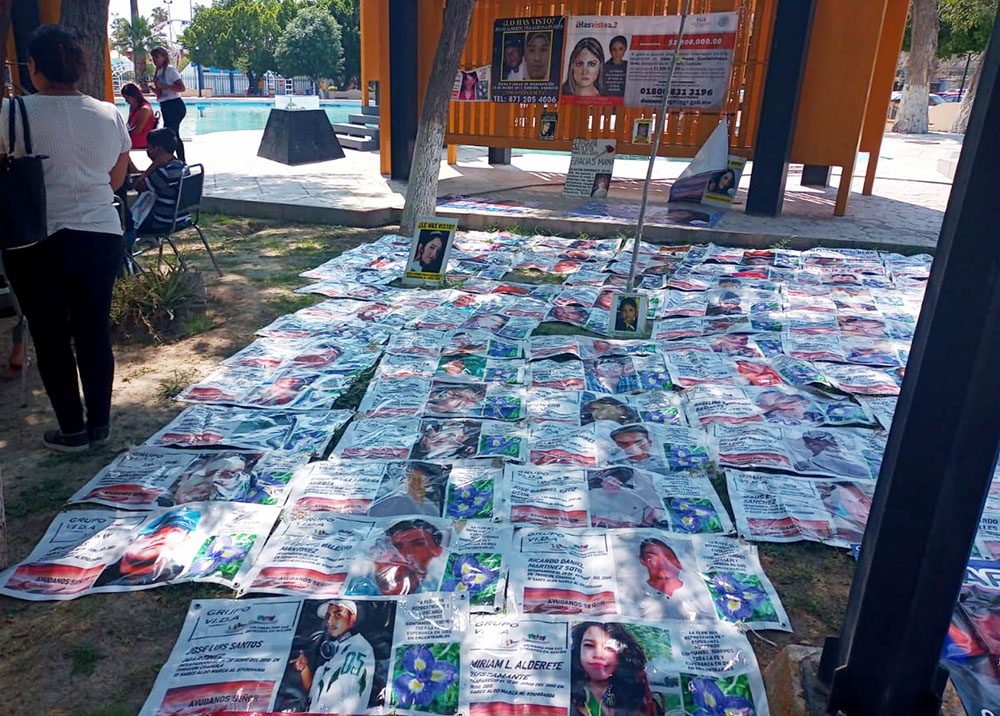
624 61
527 56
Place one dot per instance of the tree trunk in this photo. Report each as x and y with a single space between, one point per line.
421 189
965 109
912 115
90 19
6 8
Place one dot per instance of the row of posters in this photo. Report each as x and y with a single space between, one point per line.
427 655
619 61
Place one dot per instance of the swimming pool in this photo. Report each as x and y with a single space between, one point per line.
205 116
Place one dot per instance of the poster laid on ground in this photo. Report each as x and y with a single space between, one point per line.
472 85
778 508
527 56
312 656
972 646
427 655
209 426
590 168
148 478
641 573
624 61
90 551
428 260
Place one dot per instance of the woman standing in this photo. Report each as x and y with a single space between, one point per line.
168 85
64 283
141 120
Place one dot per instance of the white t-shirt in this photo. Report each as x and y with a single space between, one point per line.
82 138
167 77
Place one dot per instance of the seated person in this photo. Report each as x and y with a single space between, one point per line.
163 177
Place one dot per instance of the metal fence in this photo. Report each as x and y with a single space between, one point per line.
223 83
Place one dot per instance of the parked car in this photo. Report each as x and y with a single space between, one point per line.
952 96
932 99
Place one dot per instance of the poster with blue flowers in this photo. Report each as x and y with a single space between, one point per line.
91 551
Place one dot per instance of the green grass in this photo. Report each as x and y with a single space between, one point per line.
85 657
196 325
174 384
110 710
291 303
49 493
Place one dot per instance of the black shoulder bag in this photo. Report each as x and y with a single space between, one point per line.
22 188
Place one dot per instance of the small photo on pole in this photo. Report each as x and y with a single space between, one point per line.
642 131
429 251
628 315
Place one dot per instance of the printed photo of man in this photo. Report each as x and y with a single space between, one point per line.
404 560
411 488
152 557
339 671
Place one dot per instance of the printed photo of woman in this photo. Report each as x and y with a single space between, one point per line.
586 70
608 673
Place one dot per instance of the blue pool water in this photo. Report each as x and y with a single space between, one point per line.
205 116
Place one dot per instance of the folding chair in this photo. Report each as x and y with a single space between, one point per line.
188 202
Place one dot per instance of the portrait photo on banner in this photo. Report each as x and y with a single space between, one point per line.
339 658
628 315
527 54
428 260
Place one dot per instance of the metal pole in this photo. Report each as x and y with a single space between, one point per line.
965 73
941 453
661 124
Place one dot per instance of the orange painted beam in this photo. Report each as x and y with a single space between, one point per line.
893 27
836 86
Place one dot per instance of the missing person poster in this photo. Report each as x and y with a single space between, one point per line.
527 56
624 61
590 168
90 551
548 125
472 85
642 131
429 251
629 315
287 655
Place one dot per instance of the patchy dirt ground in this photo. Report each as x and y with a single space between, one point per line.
99 655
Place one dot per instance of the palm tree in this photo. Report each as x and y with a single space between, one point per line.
135 39
158 16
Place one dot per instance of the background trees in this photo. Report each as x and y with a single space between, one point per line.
247 34
134 39
310 45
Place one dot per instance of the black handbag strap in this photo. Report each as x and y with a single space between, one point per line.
18 102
